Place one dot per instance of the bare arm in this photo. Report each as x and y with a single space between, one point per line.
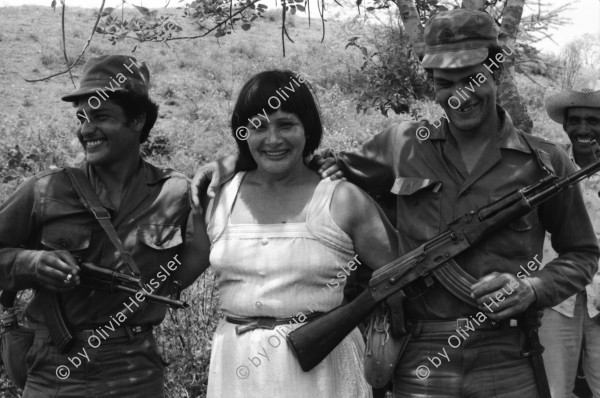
195 252
357 214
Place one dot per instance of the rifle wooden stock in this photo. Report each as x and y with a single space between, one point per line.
314 341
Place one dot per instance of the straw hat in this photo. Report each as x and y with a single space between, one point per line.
585 95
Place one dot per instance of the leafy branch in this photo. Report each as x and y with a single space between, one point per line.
218 17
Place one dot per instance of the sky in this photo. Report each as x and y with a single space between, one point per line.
584 15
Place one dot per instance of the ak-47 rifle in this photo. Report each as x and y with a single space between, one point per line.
314 341
92 277
104 279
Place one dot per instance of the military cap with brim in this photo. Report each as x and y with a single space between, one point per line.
112 73
458 39
586 95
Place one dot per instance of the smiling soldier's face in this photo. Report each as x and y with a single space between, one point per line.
469 113
108 136
583 125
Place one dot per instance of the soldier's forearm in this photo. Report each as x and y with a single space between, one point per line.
195 253
17 268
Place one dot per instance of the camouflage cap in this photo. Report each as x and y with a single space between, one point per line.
458 38
112 73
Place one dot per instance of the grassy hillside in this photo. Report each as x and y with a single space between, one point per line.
195 83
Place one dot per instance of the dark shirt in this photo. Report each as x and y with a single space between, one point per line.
45 214
433 188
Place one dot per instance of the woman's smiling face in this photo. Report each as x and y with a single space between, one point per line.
277 144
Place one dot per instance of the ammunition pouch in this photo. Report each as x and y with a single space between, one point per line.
383 350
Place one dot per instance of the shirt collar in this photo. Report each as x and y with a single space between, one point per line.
509 137
149 173
154 175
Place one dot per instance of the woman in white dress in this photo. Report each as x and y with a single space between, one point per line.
282 244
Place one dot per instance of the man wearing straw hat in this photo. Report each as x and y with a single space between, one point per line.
575 323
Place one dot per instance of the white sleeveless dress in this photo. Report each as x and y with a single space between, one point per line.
280 270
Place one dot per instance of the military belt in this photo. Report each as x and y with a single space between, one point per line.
466 324
104 334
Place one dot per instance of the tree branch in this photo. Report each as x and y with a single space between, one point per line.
412 26
80 55
283 5
508 93
217 26
64 40
322 13
230 13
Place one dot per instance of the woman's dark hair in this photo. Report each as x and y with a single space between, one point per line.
134 105
273 90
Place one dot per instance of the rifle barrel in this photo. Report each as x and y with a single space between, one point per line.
105 279
565 182
108 274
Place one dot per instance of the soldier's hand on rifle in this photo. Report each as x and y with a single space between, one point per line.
502 296
57 270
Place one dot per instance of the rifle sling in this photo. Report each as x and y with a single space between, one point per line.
537 360
58 329
90 200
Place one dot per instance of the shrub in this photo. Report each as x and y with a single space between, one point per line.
393 78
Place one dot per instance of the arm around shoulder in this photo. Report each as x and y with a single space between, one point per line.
373 166
195 251
210 176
